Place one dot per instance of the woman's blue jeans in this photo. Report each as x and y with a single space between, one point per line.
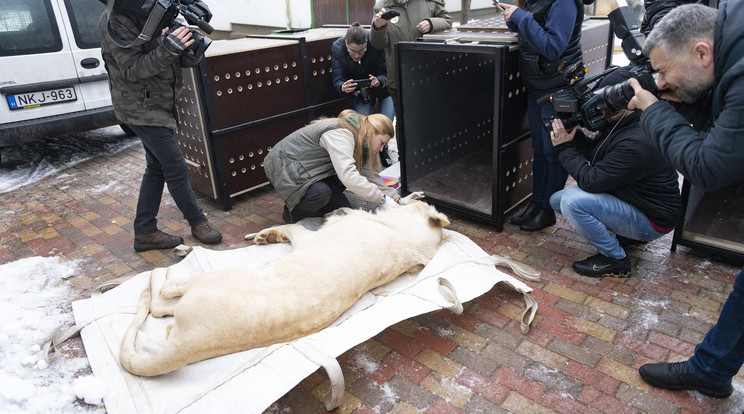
165 165
386 107
720 356
548 175
596 215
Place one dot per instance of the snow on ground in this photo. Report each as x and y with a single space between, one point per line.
25 164
34 305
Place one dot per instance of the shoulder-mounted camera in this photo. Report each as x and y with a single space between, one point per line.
587 105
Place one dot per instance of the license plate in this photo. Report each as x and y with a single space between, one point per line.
36 99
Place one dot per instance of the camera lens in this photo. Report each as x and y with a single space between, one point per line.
615 97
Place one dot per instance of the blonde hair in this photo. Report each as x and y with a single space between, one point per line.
366 127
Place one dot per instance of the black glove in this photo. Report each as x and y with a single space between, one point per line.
173 44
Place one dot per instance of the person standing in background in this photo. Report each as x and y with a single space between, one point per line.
145 82
417 17
549 42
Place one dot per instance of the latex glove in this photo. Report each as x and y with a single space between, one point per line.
416 195
389 203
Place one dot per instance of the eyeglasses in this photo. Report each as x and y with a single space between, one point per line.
356 52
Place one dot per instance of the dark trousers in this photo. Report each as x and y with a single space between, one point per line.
321 198
165 165
548 175
720 356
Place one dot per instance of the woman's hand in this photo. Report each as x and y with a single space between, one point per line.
508 10
349 86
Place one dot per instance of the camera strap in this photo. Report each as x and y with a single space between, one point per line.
147 31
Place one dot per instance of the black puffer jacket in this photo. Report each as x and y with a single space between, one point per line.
713 158
372 63
627 165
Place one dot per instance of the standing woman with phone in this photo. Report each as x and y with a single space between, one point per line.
549 41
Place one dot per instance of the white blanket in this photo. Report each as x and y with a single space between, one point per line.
250 381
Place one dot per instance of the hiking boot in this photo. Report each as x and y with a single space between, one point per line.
531 211
600 265
627 243
677 376
545 217
156 241
205 233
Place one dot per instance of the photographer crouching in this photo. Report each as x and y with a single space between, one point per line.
144 58
698 53
624 187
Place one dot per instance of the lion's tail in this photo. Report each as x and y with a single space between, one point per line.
128 356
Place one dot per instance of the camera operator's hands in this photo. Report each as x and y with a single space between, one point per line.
416 195
559 135
642 98
177 41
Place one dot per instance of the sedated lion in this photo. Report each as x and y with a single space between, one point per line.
223 311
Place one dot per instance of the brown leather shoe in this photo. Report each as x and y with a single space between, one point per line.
205 233
155 241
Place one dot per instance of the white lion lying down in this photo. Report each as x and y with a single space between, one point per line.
231 310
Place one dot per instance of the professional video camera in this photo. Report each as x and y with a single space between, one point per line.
583 103
196 13
159 14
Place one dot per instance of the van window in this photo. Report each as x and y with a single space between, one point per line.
28 27
84 15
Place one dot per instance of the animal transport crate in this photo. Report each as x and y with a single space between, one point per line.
713 221
464 134
247 95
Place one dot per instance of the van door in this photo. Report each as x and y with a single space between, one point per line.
37 71
81 18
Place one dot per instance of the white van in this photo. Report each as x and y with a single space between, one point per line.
52 78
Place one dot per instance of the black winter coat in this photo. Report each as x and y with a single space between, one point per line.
628 166
372 63
714 157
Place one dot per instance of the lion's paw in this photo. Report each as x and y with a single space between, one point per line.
265 236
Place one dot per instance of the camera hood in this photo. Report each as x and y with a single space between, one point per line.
148 15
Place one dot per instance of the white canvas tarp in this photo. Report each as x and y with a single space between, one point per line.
250 381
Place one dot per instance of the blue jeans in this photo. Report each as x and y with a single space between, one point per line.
386 107
165 165
720 356
595 215
548 175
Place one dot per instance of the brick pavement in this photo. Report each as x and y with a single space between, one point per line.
580 356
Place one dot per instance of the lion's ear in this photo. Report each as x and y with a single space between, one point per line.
438 220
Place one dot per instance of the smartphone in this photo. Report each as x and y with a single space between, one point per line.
499 9
390 14
362 83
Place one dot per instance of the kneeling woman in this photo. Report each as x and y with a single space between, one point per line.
311 167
